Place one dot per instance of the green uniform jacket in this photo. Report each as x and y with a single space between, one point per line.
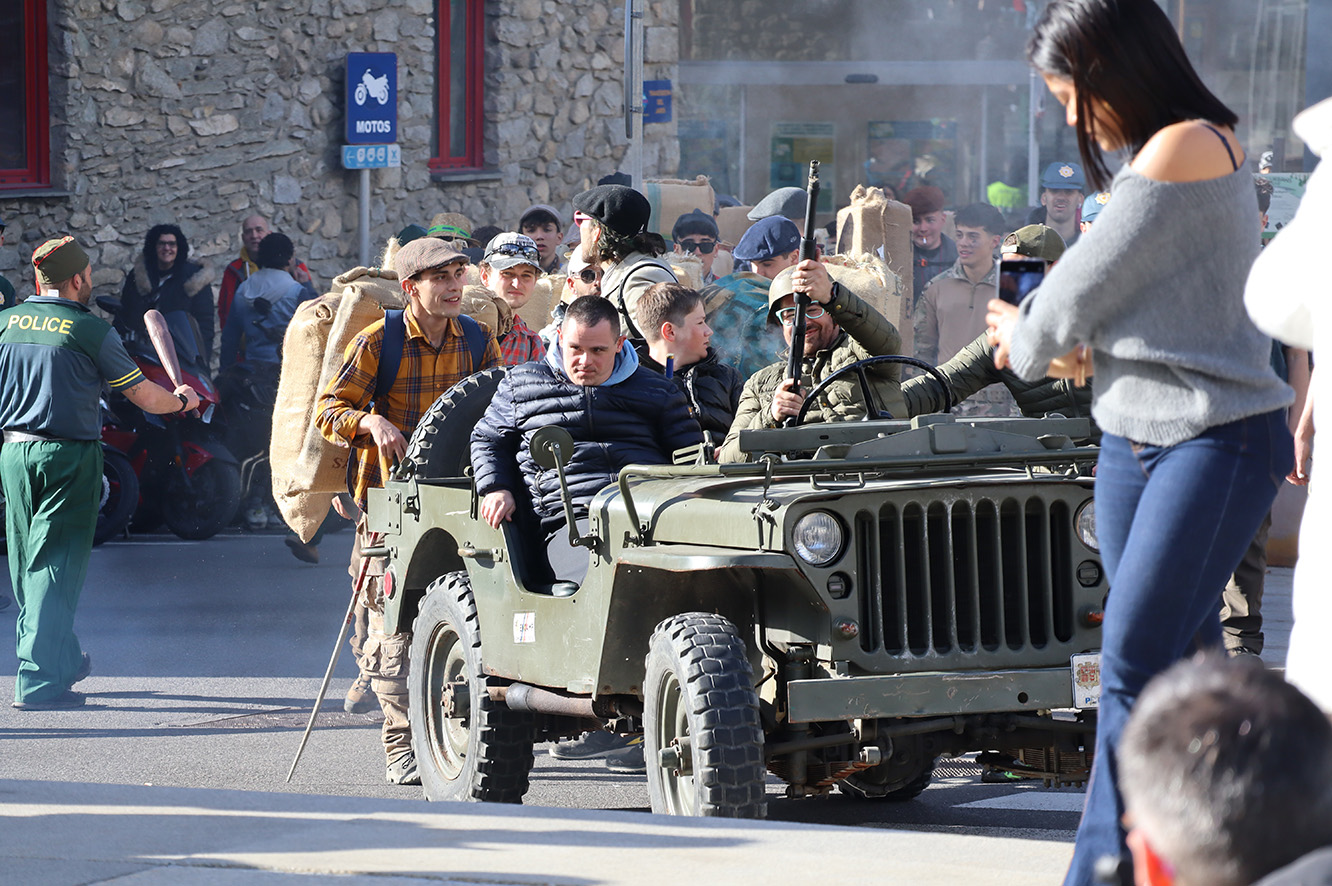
865 333
972 369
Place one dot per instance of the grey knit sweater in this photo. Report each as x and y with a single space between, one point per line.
1156 287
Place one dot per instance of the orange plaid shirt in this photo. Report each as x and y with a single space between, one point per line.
424 374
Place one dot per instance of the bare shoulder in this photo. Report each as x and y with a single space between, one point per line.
1188 151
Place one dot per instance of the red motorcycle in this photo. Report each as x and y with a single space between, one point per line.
188 479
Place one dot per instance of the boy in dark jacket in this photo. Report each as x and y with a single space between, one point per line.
677 334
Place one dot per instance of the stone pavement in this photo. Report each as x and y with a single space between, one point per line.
63 834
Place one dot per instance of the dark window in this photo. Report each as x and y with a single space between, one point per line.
24 124
459 88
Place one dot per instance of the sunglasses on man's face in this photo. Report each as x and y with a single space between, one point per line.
587 275
703 246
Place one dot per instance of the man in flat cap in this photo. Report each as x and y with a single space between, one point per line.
436 347
54 356
612 222
696 233
737 304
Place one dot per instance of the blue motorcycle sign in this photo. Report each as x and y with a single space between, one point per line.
372 98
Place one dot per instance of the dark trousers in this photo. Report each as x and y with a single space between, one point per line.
1173 522
52 490
1242 600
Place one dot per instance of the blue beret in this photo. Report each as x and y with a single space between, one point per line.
1063 177
767 238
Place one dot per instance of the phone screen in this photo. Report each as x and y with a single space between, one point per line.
1018 277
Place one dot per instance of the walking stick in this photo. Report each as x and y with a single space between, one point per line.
333 662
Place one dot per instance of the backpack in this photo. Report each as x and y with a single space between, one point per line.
395 337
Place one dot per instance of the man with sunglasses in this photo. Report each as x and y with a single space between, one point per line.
696 233
7 293
840 329
509 269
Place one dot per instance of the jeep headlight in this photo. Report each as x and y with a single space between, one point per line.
1084 521
818 538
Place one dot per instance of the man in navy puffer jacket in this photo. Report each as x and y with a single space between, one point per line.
591 385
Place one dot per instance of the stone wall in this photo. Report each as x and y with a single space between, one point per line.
203 113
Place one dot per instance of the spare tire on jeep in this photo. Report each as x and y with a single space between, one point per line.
441 444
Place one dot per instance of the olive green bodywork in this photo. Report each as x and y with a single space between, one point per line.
962 587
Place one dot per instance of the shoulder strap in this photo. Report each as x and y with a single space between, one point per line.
630 327
1233 161
390 352
476 340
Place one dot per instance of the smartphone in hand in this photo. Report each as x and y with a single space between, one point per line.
1018 276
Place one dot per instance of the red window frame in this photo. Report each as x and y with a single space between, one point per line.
472 155
36 112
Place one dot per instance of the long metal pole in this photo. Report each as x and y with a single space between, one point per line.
332 663
365 218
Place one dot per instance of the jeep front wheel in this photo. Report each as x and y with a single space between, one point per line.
703 741
467 746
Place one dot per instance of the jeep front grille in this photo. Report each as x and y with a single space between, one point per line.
966 576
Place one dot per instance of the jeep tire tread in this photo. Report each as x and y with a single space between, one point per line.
441 445
699 687
484 752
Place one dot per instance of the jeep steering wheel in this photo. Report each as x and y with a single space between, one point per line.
867 392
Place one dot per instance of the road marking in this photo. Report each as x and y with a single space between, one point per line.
1031 801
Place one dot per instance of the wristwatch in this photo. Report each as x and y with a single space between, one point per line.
184 401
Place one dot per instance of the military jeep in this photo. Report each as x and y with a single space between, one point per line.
857 601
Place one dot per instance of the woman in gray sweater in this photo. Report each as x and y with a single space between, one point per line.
1195 439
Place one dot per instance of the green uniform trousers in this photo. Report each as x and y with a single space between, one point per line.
52 492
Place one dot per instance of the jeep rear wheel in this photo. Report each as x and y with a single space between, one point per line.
702 736
467 746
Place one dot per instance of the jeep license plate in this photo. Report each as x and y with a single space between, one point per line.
1086 669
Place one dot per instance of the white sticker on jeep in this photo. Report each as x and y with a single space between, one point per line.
524 627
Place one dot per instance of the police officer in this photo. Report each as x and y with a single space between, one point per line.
54 356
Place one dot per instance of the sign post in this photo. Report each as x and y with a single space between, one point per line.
372 125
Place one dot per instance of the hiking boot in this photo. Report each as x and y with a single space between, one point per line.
594 745
84 669
64 701
628 761
361 699
403 770
306 553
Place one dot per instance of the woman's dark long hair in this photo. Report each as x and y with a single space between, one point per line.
150 249
1127 54
613 247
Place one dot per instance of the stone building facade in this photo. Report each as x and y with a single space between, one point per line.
203 113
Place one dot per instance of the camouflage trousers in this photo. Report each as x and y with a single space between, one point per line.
381 657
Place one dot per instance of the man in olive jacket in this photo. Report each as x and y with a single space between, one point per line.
840 329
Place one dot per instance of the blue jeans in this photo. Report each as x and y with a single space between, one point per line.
1172 523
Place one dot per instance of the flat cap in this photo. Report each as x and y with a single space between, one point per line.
784 202
1035 241
58 259
621 209
423 254
768 237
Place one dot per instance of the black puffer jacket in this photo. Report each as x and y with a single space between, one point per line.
640 420
711 387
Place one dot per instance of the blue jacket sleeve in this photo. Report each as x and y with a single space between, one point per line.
678 428
495 442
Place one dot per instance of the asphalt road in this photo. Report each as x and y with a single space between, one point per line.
207 657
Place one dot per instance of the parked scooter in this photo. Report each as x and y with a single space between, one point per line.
188 478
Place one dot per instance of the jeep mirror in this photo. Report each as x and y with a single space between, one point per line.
552 447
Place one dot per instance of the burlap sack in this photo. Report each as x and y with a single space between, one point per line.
723 264
672 198
869 277
481 304
688 269
540 307
732 222
308 470
872 222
